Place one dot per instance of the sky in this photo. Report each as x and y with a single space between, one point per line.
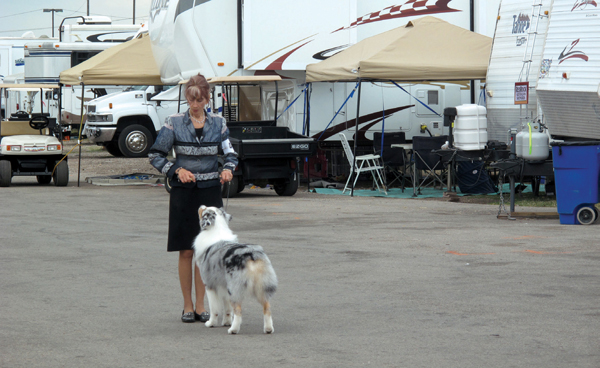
20 16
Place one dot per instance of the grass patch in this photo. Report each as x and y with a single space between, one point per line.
521 199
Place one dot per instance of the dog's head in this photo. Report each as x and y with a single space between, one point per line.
208 216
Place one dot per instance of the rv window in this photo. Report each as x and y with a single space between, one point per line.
432 98
78 57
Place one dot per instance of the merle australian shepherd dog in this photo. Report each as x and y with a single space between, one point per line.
231 271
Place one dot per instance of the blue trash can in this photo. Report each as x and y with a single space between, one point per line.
576 173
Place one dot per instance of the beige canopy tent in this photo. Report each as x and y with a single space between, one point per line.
425 49
130 63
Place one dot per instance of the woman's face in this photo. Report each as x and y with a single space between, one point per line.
196 105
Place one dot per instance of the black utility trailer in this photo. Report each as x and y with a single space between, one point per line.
268 154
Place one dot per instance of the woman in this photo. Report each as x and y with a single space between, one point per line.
195 180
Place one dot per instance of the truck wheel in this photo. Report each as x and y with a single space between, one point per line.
5 173
61 174
44 179
135 141
288 189
113 149
233 188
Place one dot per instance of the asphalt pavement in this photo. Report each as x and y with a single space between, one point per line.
85 281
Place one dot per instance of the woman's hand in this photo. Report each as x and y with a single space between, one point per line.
226 176
185 176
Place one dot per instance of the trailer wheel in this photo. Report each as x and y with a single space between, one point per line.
232 188
61 174
135 141
288 189
586 215
44 179
113 149
5 173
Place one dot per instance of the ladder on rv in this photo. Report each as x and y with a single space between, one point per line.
536 16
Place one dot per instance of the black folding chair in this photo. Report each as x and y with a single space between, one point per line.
394 158
427 162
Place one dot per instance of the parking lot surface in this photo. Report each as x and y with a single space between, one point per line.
86 282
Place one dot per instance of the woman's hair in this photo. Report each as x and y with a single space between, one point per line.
197 88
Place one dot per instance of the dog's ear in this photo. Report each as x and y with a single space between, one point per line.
207 219
200 210
227 216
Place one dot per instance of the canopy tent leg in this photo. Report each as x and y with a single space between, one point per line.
79 135
356 131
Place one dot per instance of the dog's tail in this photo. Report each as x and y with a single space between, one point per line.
263 281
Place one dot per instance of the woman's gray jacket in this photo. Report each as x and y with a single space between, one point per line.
199 155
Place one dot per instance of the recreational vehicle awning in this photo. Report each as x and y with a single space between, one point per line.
130 63
425 49
28 86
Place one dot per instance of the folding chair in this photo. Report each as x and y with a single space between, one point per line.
364 163
393 157
428 162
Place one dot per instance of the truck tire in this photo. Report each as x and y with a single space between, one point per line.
135 141
233 188
5 173
44 179
288 189
61 174
113 149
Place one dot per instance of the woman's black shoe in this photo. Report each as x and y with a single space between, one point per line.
188 317
202 317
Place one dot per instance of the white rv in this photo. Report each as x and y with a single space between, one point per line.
516 58
97 29
44 61
218 38
12 56
550 50
568 87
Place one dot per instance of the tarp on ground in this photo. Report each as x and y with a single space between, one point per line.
130 63
425 49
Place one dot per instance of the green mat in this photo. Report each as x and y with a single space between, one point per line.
408 192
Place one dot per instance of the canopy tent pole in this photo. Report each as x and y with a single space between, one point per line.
307 127
79 135
356 132
59 123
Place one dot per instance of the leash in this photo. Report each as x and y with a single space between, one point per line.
227 200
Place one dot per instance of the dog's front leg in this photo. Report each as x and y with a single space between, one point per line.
237 318
213 306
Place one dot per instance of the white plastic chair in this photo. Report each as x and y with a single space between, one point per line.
364 163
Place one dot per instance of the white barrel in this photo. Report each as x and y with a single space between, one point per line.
470 127
539 148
